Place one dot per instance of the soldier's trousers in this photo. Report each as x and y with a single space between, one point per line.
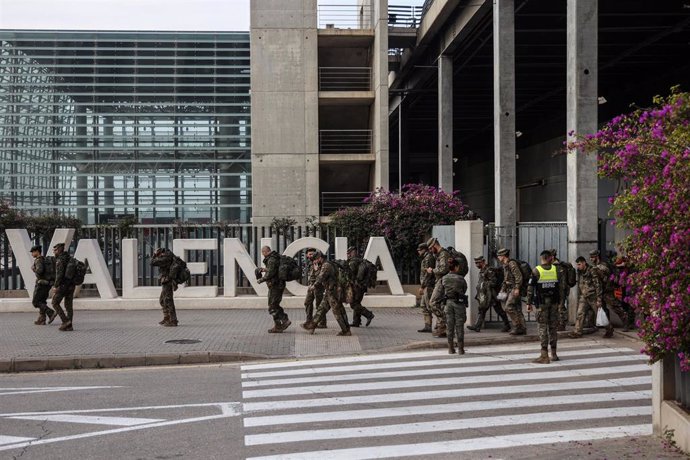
585 305
625 314
456 316
426 308
167 302
312 295
275 295
484 309
65 293
547 319
332 301
40 298
438 310
513 307
359 310
563 309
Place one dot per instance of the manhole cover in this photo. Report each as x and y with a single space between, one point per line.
183 341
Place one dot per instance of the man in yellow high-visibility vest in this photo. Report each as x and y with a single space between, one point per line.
543 291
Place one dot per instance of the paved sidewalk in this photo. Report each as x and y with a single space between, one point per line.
134 338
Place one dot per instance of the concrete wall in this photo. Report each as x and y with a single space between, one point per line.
284 97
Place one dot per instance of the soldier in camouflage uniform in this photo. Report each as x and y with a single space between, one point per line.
624 312
328 280
590 296
450 291
512 283
313 294
63 288
486 295
564 290
543 292
276 288
359 288
42 287
439 270
164 259
427 281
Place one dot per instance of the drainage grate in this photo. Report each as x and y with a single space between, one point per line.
183 341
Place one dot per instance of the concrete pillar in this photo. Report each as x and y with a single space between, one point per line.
469 239
582 26
82 180
445 123
380 87
504 116
108 179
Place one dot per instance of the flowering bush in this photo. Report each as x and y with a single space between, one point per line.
648 151
405 219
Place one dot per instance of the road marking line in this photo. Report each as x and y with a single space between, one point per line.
91 420
444 425
468 445
442 394
228 411
120 409
427 363
435 382
360 414
12 439
454 370
21 391
586 346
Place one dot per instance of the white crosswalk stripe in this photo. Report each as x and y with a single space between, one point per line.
492 398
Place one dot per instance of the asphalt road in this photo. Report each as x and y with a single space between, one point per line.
489 403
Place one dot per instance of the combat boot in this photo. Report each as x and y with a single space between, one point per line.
554 356
517 331
166 319
575 335
284 324
506 327
426 328
322 325
543 359
51 314
41 320
344 333
309 326
276 328
66 326
609 332
170 323
461 347
440 332
474 328
370 318
451 347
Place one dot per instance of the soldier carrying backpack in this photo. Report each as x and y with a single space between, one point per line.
513 285
63 286
172 270
276 288
363 272
567 273
44 269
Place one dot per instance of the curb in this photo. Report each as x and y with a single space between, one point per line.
472 342
112 361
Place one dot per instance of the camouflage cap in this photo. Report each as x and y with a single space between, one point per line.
594 253
422 246
59 245
553 252
479 259
36 248
503 252
431 241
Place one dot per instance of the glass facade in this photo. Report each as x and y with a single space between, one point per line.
104 124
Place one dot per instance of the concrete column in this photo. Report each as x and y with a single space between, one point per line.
582 26
82 180
380 83
504 115
445 123
469 239
108 180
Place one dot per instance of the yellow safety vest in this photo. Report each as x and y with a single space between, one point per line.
547 278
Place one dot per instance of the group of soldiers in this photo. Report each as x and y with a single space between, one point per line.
51 277
503 288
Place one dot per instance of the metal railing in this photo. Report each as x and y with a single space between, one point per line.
345 17
404 16
344 78
335 201
345 141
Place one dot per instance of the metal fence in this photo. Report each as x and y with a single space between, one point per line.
345 16
151 237
406 16
344 78
346 141
334 201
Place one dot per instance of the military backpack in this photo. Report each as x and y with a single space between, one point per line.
570 273
75 271
288 270
526 270
461 260
368 272
182 273
49 268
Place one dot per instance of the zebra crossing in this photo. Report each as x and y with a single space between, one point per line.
486 403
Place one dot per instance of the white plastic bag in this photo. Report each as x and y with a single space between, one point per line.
502 296
602 319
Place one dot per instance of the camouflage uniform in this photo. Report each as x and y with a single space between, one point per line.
327 279
589 285
276 287
441 269
512 305
167 276
359 288
64 289
486 296
545 296
427 280
450 291
41 290
313 293
609 298
563 293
